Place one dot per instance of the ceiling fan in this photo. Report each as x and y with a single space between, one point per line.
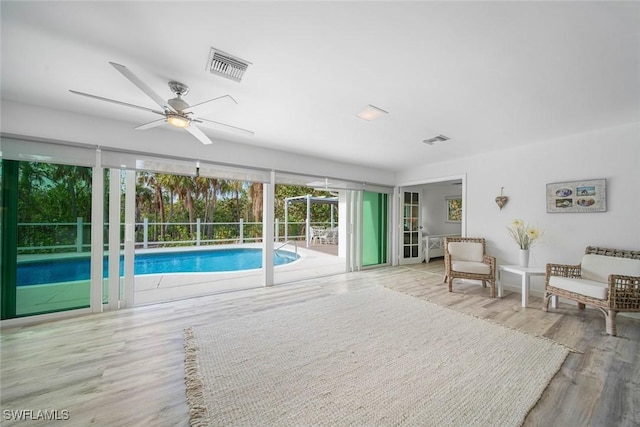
175 111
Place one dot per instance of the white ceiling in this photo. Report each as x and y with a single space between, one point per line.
489 75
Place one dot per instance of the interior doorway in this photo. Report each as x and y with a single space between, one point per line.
440 213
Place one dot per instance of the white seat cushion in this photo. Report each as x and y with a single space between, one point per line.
466 251
589 288
599 267
470 267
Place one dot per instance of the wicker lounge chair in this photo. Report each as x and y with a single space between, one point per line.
608 279
466 258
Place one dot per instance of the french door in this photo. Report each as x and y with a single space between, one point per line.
411 250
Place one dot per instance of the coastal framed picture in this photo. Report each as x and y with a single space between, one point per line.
577 196
454 209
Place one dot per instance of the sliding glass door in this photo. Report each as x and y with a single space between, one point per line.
309 226
46 237
375 226
76 220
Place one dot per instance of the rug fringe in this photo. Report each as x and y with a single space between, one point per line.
198 412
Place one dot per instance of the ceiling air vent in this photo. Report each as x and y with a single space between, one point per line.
225 65
436 140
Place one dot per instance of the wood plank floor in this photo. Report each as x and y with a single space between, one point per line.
126 368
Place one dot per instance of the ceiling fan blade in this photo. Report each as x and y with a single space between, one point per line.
224 127
210 105
142 86
152 124
116 102
193 130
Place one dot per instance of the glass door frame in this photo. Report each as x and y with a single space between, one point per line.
121 289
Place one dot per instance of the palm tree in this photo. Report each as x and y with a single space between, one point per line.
150 180
236 187
208 189
170 183
31 176
185 190
144 204
73 177
255 193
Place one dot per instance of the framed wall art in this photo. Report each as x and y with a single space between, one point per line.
454 209
577 196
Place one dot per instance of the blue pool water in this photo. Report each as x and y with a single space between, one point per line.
215 260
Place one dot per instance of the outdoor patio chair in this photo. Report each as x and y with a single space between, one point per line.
331 236
318 235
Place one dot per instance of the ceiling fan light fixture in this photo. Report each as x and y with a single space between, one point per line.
178 103
178 121
176 111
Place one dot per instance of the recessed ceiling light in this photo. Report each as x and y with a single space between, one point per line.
371 113
436 140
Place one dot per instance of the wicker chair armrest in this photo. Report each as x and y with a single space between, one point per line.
624 292
564 270
490 261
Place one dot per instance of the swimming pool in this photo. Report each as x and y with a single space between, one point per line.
198 261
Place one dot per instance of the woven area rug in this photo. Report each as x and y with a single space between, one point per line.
372 357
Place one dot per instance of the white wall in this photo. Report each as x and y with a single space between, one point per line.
613 154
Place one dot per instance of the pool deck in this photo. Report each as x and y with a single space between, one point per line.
316 261
151 289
